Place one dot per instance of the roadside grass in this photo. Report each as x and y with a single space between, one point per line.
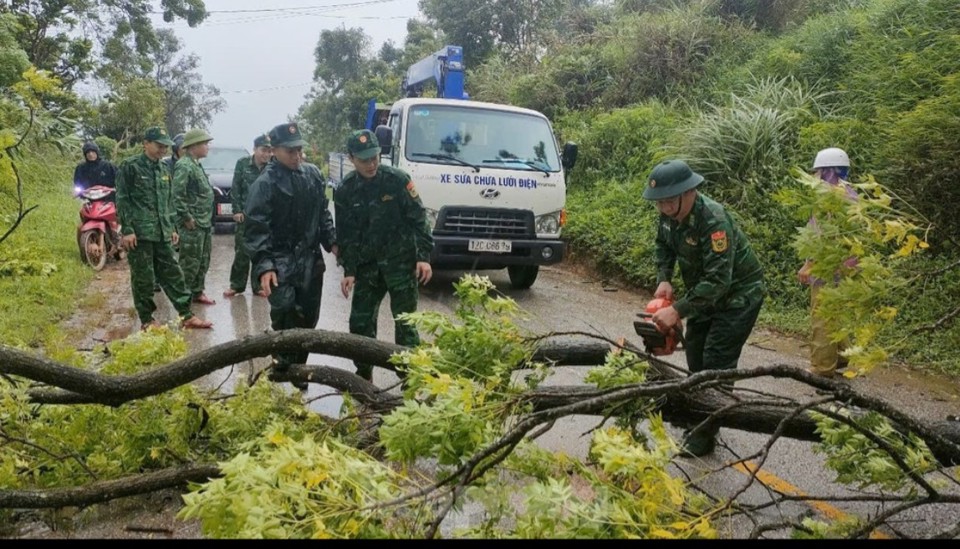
31 303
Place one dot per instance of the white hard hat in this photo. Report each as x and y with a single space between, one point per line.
831 158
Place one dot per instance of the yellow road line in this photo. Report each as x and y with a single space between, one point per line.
779 485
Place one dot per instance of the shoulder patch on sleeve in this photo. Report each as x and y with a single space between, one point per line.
412 189
718 241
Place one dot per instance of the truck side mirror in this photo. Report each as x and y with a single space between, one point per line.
569 157
385 138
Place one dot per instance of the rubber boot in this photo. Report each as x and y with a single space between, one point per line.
700 442
280 368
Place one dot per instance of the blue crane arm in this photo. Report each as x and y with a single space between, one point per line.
444 67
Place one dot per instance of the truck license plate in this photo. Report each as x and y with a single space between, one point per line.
225 209
491 246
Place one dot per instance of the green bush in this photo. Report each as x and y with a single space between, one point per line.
108 147
903 50
614 227
620 145
929 303
816 52
858 138
45 273
572 79
752 136
13 60
663 54
922 156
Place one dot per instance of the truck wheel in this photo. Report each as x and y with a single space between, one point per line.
522 276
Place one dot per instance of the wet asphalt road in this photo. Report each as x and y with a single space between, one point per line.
562 300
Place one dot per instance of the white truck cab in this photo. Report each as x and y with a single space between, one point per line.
491 178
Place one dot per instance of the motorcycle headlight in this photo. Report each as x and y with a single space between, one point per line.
549 223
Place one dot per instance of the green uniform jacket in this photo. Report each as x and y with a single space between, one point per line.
719 269
169 163
244 174
288 219
380 220
145 199
192 193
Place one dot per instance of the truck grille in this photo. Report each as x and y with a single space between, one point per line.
485 222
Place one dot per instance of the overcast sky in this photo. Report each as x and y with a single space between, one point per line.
263 61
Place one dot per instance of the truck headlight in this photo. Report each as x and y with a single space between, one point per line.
432 216
549 223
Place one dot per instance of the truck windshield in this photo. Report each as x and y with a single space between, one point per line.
444 134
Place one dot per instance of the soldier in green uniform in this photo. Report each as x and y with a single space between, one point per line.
145 211
723 279
385 242
193 197
288 221
247 170
171 161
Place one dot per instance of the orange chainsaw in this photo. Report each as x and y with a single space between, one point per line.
655 341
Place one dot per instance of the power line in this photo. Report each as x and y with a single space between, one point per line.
301 8
269 89
272 14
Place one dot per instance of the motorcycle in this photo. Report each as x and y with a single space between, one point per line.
98 234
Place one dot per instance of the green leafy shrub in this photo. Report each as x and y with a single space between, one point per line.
663 53
860 139
622 145
615 227
858 460
863 299
40 270
923 156
816 53
753 135
572 78
108 147
903 50
13 60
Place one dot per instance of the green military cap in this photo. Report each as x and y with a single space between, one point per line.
195 136
669 179
261 141
363 144
158 134
286 135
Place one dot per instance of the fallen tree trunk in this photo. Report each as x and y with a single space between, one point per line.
684 399
107 490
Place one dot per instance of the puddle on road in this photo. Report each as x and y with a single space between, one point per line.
247 314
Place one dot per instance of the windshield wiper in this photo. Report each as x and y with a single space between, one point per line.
518 161
447 157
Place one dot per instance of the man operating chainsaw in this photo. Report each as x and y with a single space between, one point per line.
721 274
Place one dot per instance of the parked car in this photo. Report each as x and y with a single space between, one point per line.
219 165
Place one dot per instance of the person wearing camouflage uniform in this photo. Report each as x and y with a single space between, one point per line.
145 212
194 200
288 221
721 273
247 170
171 161
385 242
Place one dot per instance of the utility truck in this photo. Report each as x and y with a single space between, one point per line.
491 176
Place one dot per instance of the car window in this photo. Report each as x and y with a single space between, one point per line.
223 158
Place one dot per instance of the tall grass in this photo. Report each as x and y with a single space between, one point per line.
752 137
32 303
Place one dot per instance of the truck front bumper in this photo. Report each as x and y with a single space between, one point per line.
452 252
